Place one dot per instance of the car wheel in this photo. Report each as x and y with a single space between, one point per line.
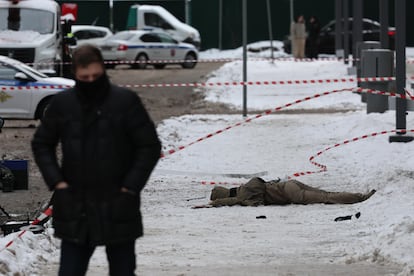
141 62
190 61
41 109
159 66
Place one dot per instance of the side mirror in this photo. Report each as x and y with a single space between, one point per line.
22 77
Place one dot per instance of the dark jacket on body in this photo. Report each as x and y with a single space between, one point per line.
107 142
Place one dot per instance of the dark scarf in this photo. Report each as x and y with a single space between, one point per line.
92 94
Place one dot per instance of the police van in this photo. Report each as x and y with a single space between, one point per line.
30 31
156 18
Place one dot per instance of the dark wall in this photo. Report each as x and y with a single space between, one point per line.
205 16
97 12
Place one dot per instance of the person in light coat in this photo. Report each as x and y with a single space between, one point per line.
298 37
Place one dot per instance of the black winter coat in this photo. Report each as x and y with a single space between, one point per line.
104 147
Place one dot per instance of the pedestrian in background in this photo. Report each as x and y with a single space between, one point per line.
314 39
298 37
109 148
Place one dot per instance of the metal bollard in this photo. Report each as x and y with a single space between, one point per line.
360 46
364 45
377 63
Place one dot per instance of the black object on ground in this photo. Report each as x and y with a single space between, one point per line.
357 215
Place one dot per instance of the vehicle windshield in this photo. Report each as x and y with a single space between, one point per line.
23 19
33 71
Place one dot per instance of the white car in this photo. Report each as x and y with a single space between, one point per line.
90 34
24 91
141 48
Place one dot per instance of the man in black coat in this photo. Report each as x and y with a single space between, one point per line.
314 37
109 148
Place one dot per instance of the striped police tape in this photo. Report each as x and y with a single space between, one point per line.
211 84
48 212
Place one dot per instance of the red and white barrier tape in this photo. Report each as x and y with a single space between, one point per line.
248 120
36 87
45 214
264 83
48 212
324 168
211 84
267 112
211 60
205 60
214 60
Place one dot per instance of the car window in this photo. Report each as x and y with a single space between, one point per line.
166 38
153 19
88 34
329 28
81 34
370 26
150 38
7 72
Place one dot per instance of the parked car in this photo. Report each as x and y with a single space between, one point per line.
148 47
370 32
90 34
24 91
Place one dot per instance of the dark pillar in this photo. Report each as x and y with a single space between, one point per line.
400 78
383 16
346 30
338 29
357 27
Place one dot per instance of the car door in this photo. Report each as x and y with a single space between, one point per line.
172 51
15 95
153 46
327 39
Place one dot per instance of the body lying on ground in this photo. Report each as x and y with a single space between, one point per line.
275 192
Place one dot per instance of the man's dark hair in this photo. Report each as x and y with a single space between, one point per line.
85 55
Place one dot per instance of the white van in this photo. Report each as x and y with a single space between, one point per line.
153 17
30 31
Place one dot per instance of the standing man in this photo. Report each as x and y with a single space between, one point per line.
298 37
109 148
314 33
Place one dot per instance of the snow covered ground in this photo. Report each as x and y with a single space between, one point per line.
295 239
